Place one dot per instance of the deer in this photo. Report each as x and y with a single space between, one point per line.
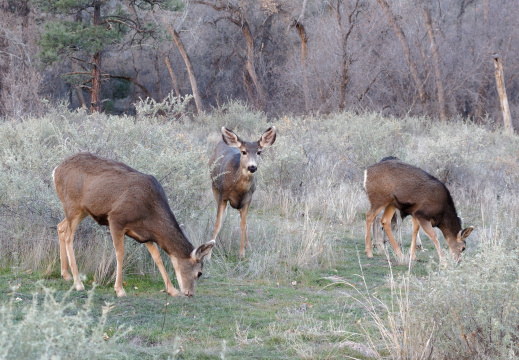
393 184
130 203
233 165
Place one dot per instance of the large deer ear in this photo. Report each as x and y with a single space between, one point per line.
268 137
203 250
466 232
230 138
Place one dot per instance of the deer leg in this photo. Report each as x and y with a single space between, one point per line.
428 229
370 216
68 238
386 223
222 205
62 234
419 242
243 226
416 227
378 235
155 254
118 240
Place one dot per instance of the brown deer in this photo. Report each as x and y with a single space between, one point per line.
233 165
393 184
130 203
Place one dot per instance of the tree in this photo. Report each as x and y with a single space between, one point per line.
80 30
235 13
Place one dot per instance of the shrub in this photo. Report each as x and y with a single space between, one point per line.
48 328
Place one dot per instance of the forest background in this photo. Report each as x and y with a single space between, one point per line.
395 58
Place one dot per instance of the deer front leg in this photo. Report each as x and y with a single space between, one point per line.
118 240
155 254
222 205
243 226
428 229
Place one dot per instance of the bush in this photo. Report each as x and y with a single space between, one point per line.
48 328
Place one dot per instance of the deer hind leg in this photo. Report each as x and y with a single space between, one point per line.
416 227
370 216
386 223
428 229
118 240
155 254
66 230
243 226
222 205
62 234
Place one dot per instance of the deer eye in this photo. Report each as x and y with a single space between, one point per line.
199 275
244 153
259 152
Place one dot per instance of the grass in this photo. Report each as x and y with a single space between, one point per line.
305 316
306 289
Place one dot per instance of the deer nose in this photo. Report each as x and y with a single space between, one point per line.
252 168
188 293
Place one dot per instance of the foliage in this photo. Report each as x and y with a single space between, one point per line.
52 328
171 107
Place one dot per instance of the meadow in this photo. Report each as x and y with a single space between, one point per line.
306 288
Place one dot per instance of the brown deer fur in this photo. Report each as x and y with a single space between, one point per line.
130 203
393 184
233 165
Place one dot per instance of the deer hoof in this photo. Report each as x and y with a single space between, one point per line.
120 292
80 286
174 292
66 276
369 254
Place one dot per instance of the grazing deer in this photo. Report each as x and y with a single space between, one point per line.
130 203
393 184
233 165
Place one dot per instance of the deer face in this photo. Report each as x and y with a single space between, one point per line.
189 270
458 246
249 150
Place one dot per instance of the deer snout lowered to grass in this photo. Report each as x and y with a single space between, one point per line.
393 184
233 165
130 203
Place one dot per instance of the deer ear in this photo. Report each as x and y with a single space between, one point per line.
466 232
268 137
230 138
203 250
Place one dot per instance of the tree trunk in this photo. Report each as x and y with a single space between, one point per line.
250 65
189 67
436 61
346 60
403 41
173 76
95 97
501 89
304 40
157 71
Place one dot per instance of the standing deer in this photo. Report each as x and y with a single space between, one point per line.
393 184
130 203
233 165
